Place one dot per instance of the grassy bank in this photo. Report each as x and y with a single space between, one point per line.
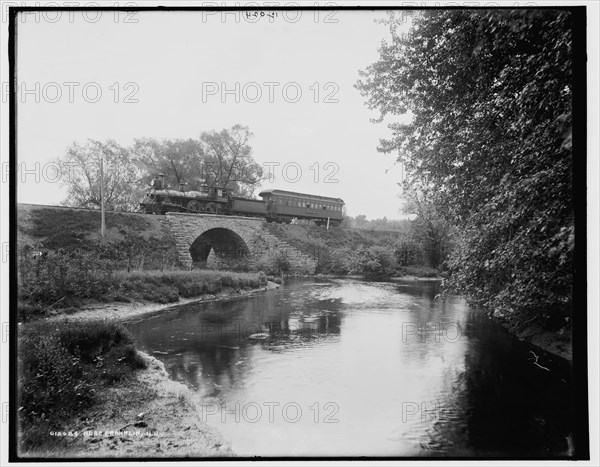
63 368
49 288
168 287
80 382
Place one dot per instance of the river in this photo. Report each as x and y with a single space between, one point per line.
344 367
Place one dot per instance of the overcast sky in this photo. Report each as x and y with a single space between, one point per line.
167 75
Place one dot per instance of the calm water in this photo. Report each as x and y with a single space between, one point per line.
351 368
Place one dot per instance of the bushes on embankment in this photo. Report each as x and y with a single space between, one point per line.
63 367
66 279
161 287
371 254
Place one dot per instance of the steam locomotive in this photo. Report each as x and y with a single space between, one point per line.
276 205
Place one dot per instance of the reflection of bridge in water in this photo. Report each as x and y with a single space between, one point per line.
224 241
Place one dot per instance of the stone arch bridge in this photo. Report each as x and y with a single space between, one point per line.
226 241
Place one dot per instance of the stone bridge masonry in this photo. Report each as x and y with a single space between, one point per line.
222 241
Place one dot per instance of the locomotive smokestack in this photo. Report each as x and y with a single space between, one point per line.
182 186
161 178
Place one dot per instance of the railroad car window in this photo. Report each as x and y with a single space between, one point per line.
307 205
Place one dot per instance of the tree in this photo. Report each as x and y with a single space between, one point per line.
180 160
429 228
122 188
217 158
229 161
490 138
360 221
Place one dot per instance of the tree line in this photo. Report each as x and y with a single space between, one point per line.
218 158
488 151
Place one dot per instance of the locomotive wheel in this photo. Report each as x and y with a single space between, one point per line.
194 206
157 209
211 208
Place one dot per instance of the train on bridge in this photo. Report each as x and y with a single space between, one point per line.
276 205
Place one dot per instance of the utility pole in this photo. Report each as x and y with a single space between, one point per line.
103 224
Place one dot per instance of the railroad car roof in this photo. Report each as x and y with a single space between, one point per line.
303 195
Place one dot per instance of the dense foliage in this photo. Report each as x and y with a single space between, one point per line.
488 145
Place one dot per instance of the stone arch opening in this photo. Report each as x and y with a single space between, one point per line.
219 247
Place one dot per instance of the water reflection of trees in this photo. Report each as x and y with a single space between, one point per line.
211 345
507 407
